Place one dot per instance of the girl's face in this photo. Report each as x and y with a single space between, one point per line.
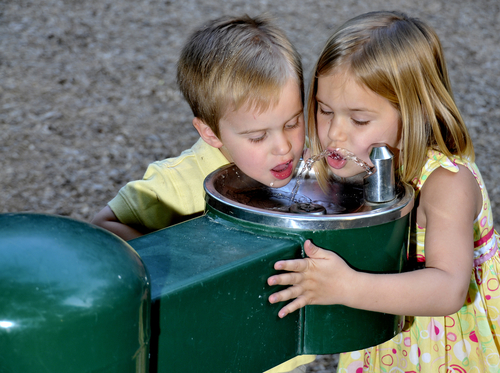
266 146
352 117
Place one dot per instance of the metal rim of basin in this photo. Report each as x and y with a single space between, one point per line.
374 214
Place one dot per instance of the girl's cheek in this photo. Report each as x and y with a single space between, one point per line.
321 136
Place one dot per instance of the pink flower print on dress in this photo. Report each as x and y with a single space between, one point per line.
473 336
436 330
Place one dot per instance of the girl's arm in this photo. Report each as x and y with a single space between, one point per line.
449 203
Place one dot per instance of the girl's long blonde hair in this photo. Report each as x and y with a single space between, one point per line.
401 59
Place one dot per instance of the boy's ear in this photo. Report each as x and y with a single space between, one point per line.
206 133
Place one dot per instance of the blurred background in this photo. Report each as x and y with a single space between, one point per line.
88 96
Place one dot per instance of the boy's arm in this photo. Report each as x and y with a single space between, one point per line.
108 220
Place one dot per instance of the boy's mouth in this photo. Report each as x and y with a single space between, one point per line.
283 171
336 160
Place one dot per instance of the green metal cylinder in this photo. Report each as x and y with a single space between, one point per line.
74 298
378 248
369 237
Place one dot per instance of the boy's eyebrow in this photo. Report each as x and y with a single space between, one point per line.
263 129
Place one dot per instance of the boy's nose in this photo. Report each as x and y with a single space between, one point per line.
282 145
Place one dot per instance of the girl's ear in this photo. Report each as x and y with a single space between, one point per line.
206 133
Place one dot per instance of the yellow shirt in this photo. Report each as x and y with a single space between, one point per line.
171 190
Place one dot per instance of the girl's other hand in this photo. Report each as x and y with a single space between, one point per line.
313 280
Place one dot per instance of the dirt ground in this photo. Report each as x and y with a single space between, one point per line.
88 96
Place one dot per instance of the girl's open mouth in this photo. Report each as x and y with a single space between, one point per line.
336 160
283 171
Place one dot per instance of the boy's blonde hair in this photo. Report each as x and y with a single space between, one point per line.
401 59
233 61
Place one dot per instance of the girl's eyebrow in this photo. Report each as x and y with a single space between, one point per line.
265 129
350 109
320 102
363 109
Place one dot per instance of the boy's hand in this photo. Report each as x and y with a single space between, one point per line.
318 279
108 220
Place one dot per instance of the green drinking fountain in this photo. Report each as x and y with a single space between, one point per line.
193 297
208 275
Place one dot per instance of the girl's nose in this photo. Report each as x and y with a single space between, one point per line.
337 131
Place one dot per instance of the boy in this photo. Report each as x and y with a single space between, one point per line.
243 80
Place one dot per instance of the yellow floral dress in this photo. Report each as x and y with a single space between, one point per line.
466 341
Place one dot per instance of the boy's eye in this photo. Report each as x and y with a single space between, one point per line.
258 139
292 125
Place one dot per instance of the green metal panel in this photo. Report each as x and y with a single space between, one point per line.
73 298
380 249
209 294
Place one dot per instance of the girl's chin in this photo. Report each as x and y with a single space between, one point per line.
344 173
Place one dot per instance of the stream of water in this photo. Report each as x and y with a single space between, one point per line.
338 152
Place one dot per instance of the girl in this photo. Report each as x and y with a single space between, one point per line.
382 78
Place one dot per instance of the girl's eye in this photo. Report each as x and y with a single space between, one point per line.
360 122
324 112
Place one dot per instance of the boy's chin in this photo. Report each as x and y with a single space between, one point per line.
278 183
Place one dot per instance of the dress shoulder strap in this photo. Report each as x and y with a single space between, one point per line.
436 159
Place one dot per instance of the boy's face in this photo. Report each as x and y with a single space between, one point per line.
352 117
266 146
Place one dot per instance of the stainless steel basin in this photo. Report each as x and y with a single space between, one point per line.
231 192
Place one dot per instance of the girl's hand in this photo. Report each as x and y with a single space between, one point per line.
313 280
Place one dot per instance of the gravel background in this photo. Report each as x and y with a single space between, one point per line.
88 96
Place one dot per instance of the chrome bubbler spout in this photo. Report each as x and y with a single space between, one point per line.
380 186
